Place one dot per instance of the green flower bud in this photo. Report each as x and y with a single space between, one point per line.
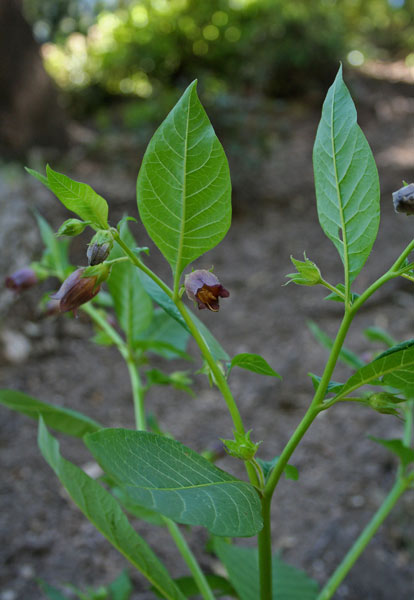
241 447
307 272
71 227
99 247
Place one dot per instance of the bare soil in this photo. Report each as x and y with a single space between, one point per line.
343 475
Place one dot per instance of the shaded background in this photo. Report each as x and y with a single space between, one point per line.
83 86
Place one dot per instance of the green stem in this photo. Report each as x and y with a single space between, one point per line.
138 395
100 320
265 551
138 263
190 559
359 546
214 367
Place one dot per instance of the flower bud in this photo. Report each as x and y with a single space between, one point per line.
307 272
21 280
403 199
99 247
76 290
205 288
241 447
71 227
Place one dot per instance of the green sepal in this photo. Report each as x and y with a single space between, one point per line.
307 272
241 447
101 272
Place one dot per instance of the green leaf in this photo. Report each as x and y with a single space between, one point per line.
80 198
220 586
394 368
307 272
55 255
106 515
333 386
132 304
62 419
50 591
38 176
377 334
183 187
346 180
253 362
290 471
340 296
405 454
121 588
216 349
289 583
346 356
150 516
164 336
163 475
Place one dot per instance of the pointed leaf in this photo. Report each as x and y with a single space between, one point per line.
163 475
55 255
50 591
79 198
289 583
62 419
121 588
253 362
106 515
38 176
219 585
183 187
346 180
164 336
394 368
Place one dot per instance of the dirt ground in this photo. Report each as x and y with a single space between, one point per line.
343 475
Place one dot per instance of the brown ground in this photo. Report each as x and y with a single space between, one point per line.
343 475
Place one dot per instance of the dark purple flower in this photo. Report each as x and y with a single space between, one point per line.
21 280
76 290
205 288
403 199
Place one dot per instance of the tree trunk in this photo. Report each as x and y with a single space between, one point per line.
29 111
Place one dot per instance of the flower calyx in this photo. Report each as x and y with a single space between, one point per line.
71 227
241 447
99 247
205 289
307 272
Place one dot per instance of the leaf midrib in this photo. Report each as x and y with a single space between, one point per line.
341 213
177 273
186 487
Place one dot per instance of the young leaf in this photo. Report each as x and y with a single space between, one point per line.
253 362
290 471
405 454
50 591
38 176
333 386
183 187
162 474
377 334
346 356
106 515
289 583
394 368
55 255
346 180
121 587
80 198
62 419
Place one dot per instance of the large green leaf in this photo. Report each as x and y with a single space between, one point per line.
79 198
289 583
62 419
163 475
183 187
346 180
106 515
394 368
164 336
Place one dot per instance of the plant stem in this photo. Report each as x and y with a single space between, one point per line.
138 395
190 559
265 551
360 544
138 263
96 316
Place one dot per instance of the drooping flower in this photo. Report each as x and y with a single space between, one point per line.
203 287
403 199
21 280
76 290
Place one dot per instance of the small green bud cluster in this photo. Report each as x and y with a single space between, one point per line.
241 447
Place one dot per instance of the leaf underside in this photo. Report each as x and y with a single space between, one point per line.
183 187
346 180
163 475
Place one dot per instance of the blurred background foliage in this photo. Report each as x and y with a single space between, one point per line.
97 50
